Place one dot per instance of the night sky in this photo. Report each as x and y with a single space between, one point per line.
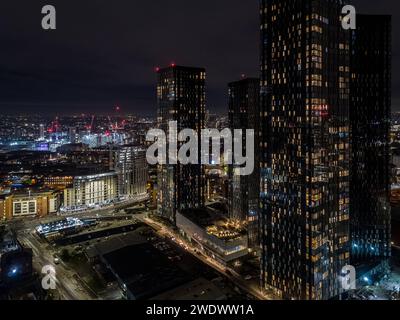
104 53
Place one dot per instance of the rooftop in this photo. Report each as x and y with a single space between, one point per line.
199 289
215 224
144 270
8 240
113 244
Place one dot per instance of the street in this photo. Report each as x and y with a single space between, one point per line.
67 285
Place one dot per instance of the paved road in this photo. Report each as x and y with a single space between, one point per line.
67 285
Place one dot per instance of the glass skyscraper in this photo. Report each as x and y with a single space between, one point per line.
370 143
244 113
181 98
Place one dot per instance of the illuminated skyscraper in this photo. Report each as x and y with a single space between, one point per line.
181 98
305 154
244 113
131 166
370 142
41 132
72 134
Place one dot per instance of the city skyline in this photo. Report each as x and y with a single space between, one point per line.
111 60
140 186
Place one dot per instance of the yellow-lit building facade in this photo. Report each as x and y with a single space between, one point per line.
38 204
90 191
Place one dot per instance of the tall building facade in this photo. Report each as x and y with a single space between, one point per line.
304 198
131 167
244 113
370 139
91 191
181 98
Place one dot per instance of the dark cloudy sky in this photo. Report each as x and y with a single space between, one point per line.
104 52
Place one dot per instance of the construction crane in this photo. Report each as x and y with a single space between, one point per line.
114 127
89 127
55 125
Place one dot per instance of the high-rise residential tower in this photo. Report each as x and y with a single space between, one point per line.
370 143
181 98
131 167
305 150
244 113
